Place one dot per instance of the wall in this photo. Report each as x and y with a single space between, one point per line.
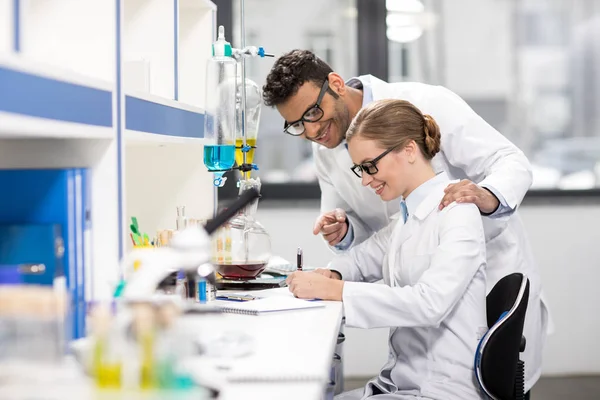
565 242
477 44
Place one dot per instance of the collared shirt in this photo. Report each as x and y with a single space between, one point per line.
420 193
366 88
503 207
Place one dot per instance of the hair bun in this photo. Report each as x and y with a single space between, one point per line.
432 135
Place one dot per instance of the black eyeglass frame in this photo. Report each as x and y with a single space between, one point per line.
303 119
367 165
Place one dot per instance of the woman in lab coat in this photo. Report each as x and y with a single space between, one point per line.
432 263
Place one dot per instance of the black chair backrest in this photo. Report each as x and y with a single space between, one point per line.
500 348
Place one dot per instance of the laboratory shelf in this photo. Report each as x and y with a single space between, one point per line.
140 136
137 138
41 101
21 63
16 126
157 120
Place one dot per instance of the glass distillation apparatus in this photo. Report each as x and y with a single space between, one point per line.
232 110
241 248
220 113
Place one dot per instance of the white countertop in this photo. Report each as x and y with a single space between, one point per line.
291 357
273 391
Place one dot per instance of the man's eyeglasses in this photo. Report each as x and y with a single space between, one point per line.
313 114
370 167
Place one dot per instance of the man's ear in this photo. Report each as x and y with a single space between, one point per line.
336 83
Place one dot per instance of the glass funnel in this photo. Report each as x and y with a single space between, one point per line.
242 247
253 110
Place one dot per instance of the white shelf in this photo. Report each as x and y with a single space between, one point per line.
149 46
25 64
196 31
164 162
15 126
39 101
6 22
152 120
51 153
153 98
137 138
73 34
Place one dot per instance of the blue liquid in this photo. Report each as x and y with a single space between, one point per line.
202 291
219 157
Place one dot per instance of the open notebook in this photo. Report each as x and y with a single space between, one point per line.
266 305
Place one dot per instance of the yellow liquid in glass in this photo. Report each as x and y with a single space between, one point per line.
147 378
239 155
108 374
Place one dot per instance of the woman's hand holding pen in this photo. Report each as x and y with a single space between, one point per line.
315 285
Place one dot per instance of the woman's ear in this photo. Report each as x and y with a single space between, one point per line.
411 150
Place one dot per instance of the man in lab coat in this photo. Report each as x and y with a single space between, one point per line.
318 105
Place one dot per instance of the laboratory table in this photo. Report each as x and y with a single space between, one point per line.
285 355
291 352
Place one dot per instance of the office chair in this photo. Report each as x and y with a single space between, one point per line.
499 371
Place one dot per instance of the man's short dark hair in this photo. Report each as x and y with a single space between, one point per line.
290 72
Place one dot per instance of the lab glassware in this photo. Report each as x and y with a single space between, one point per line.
252 113
243 246
220 110
219 157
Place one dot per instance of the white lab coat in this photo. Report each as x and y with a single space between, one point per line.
470 149
433 299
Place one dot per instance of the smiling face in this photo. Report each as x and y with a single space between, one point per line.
331 129
395 170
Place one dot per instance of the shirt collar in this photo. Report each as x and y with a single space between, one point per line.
367 89
365 86
420 193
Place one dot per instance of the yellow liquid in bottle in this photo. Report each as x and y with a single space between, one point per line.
239 155
108 374
147 378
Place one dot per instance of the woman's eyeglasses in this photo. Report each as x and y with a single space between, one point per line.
370 167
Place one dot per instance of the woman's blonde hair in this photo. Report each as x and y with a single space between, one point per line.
393 124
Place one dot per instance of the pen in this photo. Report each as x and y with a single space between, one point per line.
299 260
